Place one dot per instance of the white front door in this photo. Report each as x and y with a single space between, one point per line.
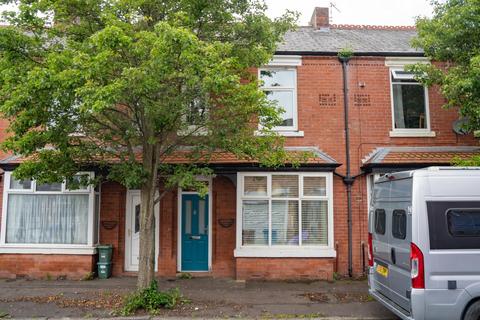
132 228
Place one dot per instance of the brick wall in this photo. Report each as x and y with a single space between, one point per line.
38 266
112 214
320 105
285 268
320 112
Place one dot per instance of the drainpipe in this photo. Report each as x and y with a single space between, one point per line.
348 180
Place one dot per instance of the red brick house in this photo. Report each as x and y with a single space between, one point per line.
293 223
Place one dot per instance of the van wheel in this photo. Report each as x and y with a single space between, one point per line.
473 312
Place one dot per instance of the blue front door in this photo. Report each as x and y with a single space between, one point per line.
194 233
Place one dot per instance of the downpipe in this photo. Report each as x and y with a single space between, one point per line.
348 180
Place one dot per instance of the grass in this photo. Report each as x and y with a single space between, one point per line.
185 276
88 276
3 314
151 300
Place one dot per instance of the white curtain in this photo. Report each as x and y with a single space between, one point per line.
398 107
56 218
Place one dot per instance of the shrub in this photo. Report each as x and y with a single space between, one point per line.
151 300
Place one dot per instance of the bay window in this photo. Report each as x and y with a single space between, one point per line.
48 218
284 214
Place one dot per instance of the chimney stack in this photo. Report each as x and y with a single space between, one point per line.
320 18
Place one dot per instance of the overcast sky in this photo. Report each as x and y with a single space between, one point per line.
376 12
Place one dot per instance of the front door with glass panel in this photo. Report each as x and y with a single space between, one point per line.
133 231
132 242
194 233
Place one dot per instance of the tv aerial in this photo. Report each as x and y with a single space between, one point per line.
333 6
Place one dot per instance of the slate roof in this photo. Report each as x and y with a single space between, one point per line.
378 40
418 155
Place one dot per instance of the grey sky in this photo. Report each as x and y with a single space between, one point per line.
375 12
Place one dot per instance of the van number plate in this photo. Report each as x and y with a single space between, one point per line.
382 270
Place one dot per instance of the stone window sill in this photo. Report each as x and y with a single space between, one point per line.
412 134
291 252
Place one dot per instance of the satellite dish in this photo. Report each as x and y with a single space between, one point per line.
459 126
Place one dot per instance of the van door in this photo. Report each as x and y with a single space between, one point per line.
400 239
381 248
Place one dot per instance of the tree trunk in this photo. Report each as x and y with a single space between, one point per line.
146 265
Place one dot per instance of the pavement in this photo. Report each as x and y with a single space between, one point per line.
209 298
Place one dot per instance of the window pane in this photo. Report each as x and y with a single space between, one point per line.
61 219
314 222
49 187
77 183
380 221
402 76
255 186
409 106
188 216
96 236
277 78
284 222
284 186
20 184
399 224
137 218
201 217
284 100
198 112
314 186
255 223
464 222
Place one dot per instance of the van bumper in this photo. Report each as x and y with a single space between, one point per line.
390 305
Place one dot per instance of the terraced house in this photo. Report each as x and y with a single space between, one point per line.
360 117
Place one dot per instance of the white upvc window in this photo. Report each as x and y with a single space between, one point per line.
280 85
284 215
409 100
48 218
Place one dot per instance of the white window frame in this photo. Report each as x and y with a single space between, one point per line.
288 62
280 89
398 64
47 248
306 251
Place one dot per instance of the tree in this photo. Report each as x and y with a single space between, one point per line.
452 37
127 83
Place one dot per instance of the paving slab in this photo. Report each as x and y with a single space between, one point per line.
209 298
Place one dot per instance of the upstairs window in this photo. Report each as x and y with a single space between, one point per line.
410 102
280 85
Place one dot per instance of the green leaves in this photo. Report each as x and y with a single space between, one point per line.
100 82
452 39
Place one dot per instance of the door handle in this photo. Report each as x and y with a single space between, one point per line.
195 237
392 254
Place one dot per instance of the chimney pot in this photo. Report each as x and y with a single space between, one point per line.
320 18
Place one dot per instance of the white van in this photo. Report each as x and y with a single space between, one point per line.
424 243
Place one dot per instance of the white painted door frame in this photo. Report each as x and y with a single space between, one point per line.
179 223
128 231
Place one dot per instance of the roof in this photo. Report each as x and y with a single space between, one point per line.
379 40
419 156
224 158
